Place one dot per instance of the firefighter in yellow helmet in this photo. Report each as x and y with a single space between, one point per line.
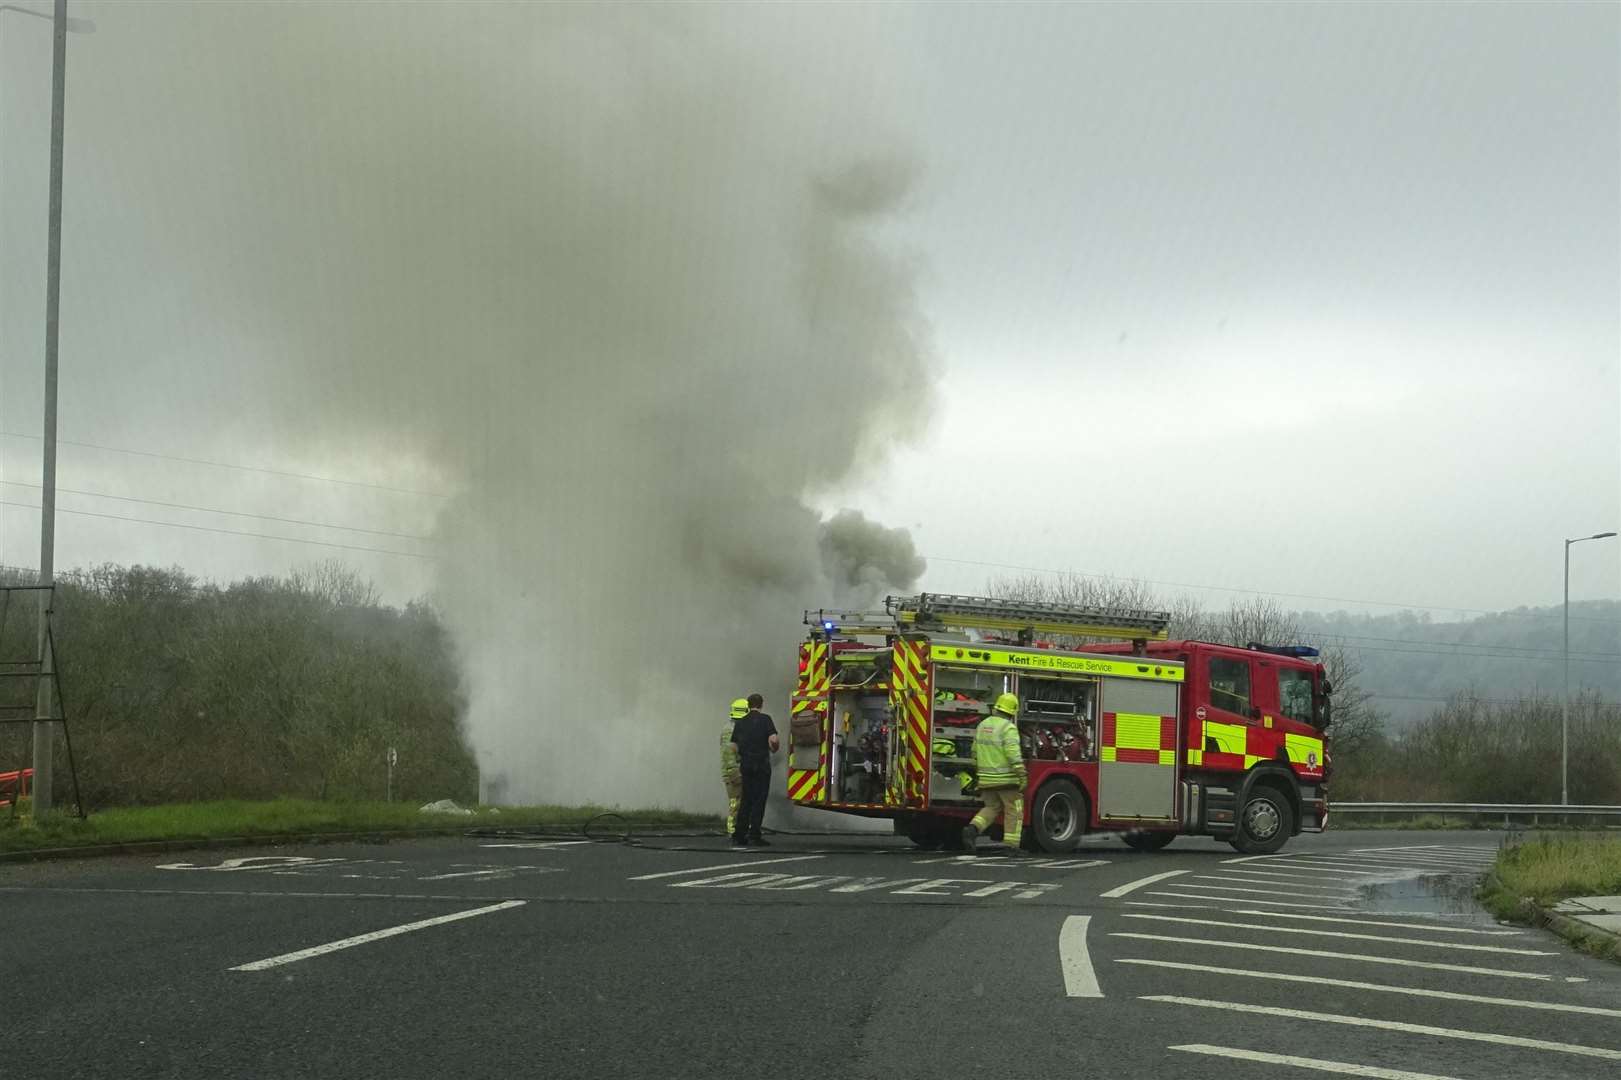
731 774
1002 776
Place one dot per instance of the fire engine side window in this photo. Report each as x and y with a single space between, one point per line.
1294 695
1230 685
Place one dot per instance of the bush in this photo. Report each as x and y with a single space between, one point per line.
178 690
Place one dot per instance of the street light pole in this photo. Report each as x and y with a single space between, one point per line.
44 729
1564 699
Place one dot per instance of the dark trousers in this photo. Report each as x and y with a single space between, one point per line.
751 807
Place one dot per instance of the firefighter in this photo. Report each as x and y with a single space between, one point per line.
1002 775
754 737
730 773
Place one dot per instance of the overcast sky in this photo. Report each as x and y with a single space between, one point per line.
1301 299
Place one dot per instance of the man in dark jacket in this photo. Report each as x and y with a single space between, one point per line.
754 737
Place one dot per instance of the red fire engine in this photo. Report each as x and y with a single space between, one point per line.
1144 736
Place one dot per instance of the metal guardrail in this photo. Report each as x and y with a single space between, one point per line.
1531 813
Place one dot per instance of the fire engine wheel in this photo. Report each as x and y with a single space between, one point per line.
924 832
1143 840
1059 817
1265 823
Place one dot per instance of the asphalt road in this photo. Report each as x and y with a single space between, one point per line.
1354 953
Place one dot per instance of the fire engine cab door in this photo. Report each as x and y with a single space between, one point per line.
1137 748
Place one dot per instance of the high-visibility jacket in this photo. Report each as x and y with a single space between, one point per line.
997 755
729 769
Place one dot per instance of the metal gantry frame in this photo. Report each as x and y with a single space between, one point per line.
36 670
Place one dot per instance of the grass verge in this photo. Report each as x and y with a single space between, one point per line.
1530 877
292 817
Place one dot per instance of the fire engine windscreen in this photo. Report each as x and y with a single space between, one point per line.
619 276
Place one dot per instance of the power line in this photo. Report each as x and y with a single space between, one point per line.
1257 592
1575 658
1464 644
229 513
1468 697
227 532
232 465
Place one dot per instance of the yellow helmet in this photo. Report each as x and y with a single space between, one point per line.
1009 704
740 708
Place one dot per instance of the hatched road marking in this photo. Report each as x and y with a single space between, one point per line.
1344 1068
1278 886
1393 961
1383 988
913 886
375 935
1433 928
1243 900
1315 932
1391 1025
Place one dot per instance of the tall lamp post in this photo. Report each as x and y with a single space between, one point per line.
1564 700
44 729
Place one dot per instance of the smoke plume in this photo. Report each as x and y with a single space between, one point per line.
614 274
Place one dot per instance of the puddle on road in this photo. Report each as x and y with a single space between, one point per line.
1450 895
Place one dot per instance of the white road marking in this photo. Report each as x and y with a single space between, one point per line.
253 862
1343 1068
539 845
1227 888
1381 922
1377 866
1246 900
1393 961
491 871
738 879
723 866
1257 858
1441 862
1312 871
375 935
794 883
983 862
1133 886
1351 984
1279 888
1270 875
1079 978
1393 1025
933 886
873 884
1431 854
1315 932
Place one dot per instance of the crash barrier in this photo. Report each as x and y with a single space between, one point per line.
14 785
1508 815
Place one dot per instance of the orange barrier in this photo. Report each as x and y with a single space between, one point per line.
14 785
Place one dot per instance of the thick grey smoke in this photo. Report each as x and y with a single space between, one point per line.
614 273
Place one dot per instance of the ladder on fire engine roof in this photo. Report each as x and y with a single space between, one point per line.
941 611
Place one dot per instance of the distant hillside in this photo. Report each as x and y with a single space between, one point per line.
1411 664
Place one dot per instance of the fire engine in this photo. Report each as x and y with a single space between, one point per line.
1141 735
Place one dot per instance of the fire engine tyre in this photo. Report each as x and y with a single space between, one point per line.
924 832
1059 817
1265 822
1143 840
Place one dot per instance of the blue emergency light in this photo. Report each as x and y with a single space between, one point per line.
830 626
1299 651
